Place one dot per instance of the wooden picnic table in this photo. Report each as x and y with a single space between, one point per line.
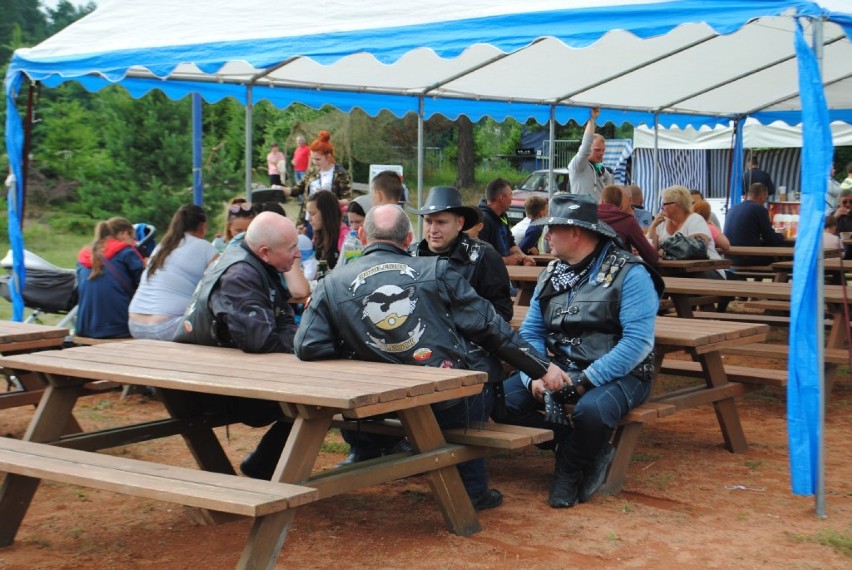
16 338
682 290
835 265
771 251
677 267
704 341
526 278
310 393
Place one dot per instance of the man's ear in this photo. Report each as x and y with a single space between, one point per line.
362 235
408 239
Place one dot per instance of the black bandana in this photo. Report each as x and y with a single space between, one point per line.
565 276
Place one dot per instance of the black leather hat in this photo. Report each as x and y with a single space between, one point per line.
448 199
575 210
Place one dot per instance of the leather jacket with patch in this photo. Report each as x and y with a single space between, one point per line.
387 306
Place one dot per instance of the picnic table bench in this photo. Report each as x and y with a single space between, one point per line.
310 393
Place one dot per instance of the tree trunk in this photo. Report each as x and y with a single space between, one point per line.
465 161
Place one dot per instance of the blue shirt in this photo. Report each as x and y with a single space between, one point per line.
638 312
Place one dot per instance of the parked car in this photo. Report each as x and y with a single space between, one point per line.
536 185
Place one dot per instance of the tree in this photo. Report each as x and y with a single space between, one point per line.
465 159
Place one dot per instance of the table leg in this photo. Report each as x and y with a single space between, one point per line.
626 437
201 441
682 306
204 447
424 434
726 409
48 423
268 533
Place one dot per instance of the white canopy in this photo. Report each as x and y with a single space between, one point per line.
755 135
690 61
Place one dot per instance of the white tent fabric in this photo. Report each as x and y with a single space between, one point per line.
690 61
675 62
755 135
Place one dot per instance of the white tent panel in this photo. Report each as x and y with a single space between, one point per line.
755 135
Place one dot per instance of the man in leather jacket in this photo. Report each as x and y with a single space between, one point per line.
387 306
594 309
445 219
242 302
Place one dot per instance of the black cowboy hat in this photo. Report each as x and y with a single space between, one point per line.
448 199
575 210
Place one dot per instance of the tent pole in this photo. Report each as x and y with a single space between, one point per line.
197 180
656 157
420 154
820 475
551 155
249 109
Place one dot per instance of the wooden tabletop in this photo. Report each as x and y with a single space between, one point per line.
681 266
833 264
526 273
737 288
770 251
16 336
344 385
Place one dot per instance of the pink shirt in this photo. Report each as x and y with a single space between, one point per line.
272 160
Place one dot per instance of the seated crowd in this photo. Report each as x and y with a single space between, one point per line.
571 348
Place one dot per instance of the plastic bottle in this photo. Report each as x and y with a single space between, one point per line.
309 258
352 248
219 243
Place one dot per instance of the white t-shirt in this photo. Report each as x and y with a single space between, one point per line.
520 229
693 225
168 292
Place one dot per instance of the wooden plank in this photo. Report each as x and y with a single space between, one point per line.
782 352
734 373
227 493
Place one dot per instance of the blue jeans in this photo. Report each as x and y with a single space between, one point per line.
594 419
469 410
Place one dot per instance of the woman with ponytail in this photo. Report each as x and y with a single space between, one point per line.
108 272
175 268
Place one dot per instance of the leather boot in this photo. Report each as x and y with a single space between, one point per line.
566 482
261 463
594 474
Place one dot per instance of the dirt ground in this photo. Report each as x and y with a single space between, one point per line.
687 503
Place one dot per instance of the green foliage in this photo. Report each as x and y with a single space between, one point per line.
493 139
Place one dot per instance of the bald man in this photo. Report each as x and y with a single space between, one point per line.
387 306
242 302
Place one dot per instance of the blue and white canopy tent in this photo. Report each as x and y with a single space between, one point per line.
678 62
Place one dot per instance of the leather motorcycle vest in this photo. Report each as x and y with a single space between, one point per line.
200 325
583 322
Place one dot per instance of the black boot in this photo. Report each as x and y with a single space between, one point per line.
594 474
566 482
261 463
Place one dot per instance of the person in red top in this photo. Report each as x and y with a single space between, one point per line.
301 157
616 209
108 273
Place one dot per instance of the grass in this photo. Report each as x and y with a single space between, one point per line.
839 541
754 464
